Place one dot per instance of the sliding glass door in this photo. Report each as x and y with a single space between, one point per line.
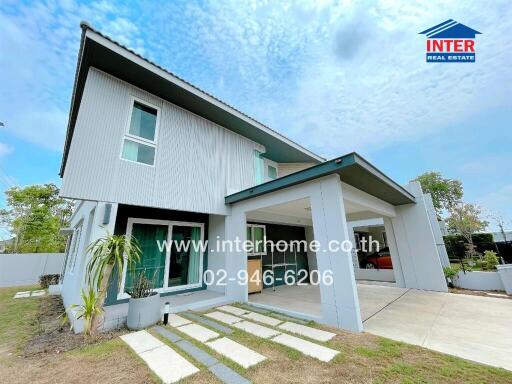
171 258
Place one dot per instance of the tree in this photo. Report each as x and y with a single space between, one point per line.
107 254
465 220
446 193
35 215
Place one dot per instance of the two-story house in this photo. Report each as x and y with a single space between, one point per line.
149 155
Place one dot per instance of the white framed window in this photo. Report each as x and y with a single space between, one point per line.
271 170
174 267
140 139
74 246
256 234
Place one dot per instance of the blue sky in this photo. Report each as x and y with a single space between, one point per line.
334 76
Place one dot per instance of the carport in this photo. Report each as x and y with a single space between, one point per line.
321 199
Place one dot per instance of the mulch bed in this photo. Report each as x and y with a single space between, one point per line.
55 335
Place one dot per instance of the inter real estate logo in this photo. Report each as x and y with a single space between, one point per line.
450 42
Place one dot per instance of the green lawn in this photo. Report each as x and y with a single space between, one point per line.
363 358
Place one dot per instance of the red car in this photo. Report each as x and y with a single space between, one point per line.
379 260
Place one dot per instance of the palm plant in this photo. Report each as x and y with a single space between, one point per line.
88 310
108 253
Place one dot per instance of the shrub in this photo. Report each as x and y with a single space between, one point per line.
47 280
142 286
456 248
451 272
490 259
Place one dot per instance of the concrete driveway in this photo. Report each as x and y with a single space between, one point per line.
472 327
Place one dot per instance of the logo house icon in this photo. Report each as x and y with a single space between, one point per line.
450 42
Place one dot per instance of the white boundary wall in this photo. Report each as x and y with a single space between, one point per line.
481 281
18 269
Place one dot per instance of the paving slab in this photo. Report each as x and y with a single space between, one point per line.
171 336
167 364
197 353
38 293
212 324
198 332
177 320
227 375
141 341
256 329
306 347
262 319
21 295
240 354
312 333
233 310
223 317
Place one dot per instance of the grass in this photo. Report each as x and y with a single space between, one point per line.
17 318
363 358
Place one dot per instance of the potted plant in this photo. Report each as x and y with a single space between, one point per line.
107 254
144 303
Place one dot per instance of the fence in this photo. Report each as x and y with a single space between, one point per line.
25 268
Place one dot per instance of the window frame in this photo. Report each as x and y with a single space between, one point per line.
75 245
138 139
264 251
121 294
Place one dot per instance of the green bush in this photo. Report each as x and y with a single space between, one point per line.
456 249
490 259
451 272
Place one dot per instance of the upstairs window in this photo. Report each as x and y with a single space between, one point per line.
139 143
272 172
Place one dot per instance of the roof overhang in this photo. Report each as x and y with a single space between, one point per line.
99 51
352 169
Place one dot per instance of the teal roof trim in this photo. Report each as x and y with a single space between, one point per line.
352 169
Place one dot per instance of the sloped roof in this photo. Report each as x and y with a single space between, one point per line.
352 168
450 29
100 51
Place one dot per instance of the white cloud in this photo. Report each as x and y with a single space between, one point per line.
41 43
5 149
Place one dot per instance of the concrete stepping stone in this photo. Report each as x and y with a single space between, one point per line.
240 354
222 372
141 341
256 329
171 336
262 318
212 324
312 333
166 363
223 317
198 332
177 321
233 310
306 347
203 357
19 295
227 375
38 293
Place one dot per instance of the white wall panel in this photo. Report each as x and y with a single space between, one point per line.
197 162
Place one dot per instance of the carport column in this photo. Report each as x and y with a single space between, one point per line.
393 250
340 302
236 260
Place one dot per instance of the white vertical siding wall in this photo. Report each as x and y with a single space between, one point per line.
197 162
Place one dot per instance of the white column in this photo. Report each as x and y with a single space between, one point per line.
236 260
340 302
395 256
417 246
